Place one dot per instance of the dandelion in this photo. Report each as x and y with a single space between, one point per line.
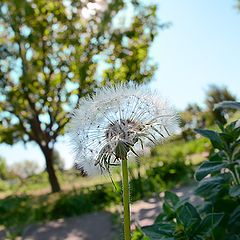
114 123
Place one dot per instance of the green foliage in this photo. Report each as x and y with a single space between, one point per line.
169 164
58 53
176 170
221 189
219 186
192 117
3 185
213 136
98 197
58 161
165 176
215 95
3 169
25 168
209 167
175 149
18 210
195 117
181 220
228 104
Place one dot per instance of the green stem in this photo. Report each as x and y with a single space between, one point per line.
233 169
127 234
236 174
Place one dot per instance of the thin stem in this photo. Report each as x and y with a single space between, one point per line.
234 169
127 233
236 174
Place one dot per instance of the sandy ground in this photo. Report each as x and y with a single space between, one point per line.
100 226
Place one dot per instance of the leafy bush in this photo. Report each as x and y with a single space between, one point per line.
219 186
99 197
17 210
178 149
167 173
3 169
3 186
181 220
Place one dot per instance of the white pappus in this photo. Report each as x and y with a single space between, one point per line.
116 121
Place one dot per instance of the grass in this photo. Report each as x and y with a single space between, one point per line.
39 184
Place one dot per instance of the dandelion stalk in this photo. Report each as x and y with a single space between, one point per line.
125 186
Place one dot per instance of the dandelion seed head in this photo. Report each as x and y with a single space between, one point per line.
117 121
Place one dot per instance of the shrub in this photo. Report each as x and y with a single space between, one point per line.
219 186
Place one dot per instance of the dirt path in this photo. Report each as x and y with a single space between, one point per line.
100 226
95 226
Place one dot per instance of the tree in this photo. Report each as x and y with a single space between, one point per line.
58 161
191 117
24 169
215 95
3 169
55 52
238 5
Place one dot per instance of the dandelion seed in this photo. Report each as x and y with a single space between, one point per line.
117 121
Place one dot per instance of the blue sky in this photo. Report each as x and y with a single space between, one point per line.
201 47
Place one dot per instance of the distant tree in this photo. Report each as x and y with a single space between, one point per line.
55 52
215 95
193 108
58 161
238 5
190 113
3 169
24 169
191 117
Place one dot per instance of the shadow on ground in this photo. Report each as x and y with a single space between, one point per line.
95 226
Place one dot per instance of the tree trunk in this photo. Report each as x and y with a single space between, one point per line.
48 153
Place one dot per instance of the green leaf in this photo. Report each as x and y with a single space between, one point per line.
217 157
188 216
171 198
208 167
209 223
233 131
234 237
159 231
234 221
171 203
168 211
235 216
236 151
210 187
235 191
213 136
